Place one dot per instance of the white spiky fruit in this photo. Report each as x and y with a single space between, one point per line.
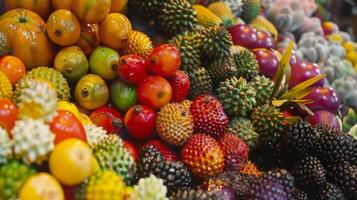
94 134
150 188
5 146
38 101
32 141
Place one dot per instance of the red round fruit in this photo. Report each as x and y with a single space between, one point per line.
324 98
166 153
132 69
324 117
268 62
8 114
65 125
264 40
140 122
154 91
108 118
131 149
180 83
165 60
244 35
303 71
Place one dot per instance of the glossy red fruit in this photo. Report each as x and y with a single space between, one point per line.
180 83
165 60
268 62
132 69
324 117
324 98
65 125
154 91
264 40
140 122
166 153
303 71
8 114
130 147
244 35
109 119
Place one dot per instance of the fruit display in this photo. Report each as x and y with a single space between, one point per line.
176 100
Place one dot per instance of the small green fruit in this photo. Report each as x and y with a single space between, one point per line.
122 95
104 63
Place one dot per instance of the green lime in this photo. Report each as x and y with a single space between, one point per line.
122 95
104 62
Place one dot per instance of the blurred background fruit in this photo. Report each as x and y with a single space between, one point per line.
13 68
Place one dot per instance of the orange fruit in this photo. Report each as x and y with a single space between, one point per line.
13 68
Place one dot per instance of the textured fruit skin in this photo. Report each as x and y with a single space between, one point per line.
132 69
285 178
221 69
140 122
243 128
174 124
323 117
8 114
166 153
108 118
149 188
147 8
265 189
195 194
139 43
243 35
217 43
324 98
6 87
164 60
329 191
65 125
245 62
208 116
264 89
5 48
203 156
268 62
12 67
235 151
122 95
344 176
154 91
94 134
5 146
91 12
219 187
180 83
200 82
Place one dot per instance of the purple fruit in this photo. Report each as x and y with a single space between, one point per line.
325 98
323 117
244 35
227 193
268 62
302 71
264 40
293 60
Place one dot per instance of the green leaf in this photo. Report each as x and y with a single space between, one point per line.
307 83
304 107
296 94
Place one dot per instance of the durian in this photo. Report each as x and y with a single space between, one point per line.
5 146
200 82
251 10
38 100
111 155
174 124
246 63
243 128
223 11
5 48
217 43
221 69
206 17
33 141
264 88
237 96
150 188
94 134
177 16
139 43
146 8
49 74
5 87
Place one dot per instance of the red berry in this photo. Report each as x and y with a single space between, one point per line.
8 114
140 122
154 91
132 69
166 153
131 149
108 118
165 60
180 83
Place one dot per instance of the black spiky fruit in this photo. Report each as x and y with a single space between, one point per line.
265 189
146 8
217 43
344 175
200 82
285 178
299 195
240 183
195 194
330 192
221 69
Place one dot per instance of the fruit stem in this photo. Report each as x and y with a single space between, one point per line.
138 109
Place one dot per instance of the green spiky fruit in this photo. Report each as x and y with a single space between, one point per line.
33 141
189 44
264 88
111 155
244 129
12 176
150 188
200 82
94 134
49 74
146 8
217 43
5 146
251 10
5 48
5 87
246 63
177 16
38 100
221 69
237 96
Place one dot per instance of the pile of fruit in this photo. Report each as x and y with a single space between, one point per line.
176 99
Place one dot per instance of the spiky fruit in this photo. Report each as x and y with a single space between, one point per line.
150 188
251 9
49 74
208 116
195 194
146 8
221 69
5 146
300 195
344 175
237 96
218 186
189 43
105 185
166 152
177 16
200 82
186 104
238 182
309 174
38 100
174 124
217 43
329 191
264 89
235 151
111 155
175 174
246 63
250 168
266 189
12 176
203 156
5 48
5 86
243 128
94 134
33 141
285 178
139 44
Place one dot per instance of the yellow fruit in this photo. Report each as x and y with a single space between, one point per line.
119 6
84 119
206 17
139 43
71 161
5 86
261 23
335 37
41 186
349 46
352 56
95 166
70 107
222 10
